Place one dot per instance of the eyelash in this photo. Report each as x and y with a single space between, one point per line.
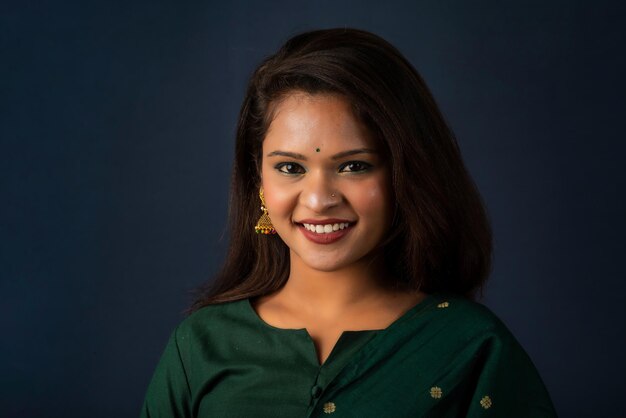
365 167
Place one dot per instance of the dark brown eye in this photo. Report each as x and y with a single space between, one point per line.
355 167
289 168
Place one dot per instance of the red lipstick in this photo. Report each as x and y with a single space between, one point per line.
325 238
325 221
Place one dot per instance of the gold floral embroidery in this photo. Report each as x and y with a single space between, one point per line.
443 305
329 407
486 402
435 392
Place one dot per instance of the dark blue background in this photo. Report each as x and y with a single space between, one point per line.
117 127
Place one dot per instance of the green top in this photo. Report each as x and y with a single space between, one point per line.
445 357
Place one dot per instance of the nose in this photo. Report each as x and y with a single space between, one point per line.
319 193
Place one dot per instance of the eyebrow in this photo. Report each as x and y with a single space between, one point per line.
337 156
353 152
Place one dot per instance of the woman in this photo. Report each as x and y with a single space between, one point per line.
350 291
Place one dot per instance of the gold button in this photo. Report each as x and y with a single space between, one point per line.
329 407
443 305
486 402
436 392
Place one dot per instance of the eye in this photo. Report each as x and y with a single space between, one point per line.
355 167
289 168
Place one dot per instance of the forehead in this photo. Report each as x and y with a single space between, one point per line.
325 121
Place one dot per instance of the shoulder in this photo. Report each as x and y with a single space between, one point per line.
499 365
466 318
214 319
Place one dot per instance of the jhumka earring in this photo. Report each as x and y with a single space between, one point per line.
264 224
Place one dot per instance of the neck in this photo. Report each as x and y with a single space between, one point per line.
334 292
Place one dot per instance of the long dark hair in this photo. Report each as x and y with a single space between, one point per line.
440 240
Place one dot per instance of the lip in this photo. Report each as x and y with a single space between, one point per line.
325 221
329 238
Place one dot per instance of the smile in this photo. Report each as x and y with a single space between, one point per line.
328 233
326 229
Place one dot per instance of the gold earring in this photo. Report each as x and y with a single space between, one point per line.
264 224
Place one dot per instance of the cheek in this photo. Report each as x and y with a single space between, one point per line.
373 199
279 199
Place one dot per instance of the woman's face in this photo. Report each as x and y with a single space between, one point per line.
322 170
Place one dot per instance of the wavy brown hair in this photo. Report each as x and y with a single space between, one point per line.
440 240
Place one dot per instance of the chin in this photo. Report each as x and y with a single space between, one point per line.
328 265
322 266
326 268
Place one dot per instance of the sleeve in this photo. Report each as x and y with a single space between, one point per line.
509 384
168 393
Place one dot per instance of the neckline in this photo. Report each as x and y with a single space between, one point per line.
398 320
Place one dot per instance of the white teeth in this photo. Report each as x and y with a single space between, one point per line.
326 229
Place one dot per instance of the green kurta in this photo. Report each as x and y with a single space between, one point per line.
445 357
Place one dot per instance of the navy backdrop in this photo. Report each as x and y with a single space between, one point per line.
117 127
